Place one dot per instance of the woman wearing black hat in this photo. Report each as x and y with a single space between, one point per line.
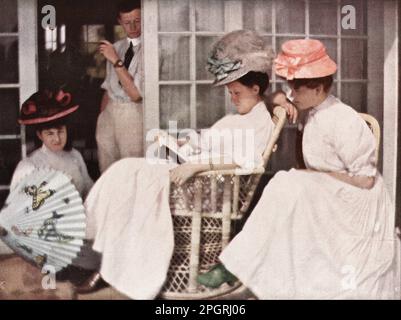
48 114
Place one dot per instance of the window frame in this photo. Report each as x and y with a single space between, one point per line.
27 60
387 115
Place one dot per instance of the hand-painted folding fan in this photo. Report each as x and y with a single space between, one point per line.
43 219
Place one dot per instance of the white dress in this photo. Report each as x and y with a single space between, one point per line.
72 164
314 237
69 162
129 215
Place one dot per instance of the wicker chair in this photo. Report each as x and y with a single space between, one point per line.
204 212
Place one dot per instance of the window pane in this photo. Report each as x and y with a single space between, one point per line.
353 61
203 47
9 109
93 33
9 60
173 15
209 15
9 157
210 105
268 40
290 15
174 106
281 40
326 10
360 17
174 57
354 94
258 15
9 17
96 68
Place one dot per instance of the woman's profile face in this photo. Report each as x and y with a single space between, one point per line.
243 97
54 139
305 98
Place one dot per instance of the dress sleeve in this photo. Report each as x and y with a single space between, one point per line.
356 146
23 168
88 182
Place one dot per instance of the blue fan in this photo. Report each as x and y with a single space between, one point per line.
43 219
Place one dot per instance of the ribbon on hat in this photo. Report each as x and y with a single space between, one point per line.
221 68
289 64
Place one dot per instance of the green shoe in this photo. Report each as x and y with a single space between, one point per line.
216 276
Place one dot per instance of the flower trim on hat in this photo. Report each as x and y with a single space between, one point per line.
222 67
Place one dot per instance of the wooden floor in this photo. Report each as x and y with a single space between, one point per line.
20 280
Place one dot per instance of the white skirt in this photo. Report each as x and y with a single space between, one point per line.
314 237
128 216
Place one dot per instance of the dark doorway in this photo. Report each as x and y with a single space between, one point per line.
68 58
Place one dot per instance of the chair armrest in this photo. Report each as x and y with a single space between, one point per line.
236 172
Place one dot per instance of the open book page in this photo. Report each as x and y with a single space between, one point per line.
170 148
186 152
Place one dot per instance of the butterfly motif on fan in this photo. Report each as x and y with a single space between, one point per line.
54 234
39 195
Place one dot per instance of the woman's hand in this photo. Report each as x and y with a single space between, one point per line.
280 99
182 173
107 50
362 182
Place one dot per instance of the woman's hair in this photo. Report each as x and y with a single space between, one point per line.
56 124
313 83
252 78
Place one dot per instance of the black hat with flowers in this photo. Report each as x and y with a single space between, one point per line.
45 106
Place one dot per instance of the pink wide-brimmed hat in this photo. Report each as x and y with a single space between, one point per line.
304 59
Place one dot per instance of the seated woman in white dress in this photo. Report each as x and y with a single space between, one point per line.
128 208
48 114
326 232
49 118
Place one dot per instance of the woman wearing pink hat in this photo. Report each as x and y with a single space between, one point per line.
326 232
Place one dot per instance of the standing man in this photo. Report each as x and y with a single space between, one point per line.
119 131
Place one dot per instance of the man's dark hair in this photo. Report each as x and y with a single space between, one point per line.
55 124
125 6
255 78
313 83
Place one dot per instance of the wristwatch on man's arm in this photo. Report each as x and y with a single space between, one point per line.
118 64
